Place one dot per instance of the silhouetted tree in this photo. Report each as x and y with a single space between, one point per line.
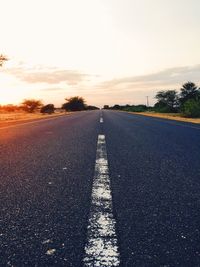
2 59
167 101
75 103
189 90
49 108
91 107
31 105
106 107
116 107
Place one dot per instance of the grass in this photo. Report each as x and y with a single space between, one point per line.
7 118
169 116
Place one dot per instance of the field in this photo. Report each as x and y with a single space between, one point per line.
7 118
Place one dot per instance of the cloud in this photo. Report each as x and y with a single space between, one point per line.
51 76
168 77
134 89
52 89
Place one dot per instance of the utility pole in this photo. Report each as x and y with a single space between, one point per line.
147 101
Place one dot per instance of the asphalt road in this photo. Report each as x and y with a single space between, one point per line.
46 180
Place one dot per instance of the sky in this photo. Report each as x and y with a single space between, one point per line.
108 51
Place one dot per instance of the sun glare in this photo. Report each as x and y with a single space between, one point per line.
10 91
116 41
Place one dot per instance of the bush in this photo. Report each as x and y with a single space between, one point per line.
163 108
91 108
138 108
191 108
48 109
9 108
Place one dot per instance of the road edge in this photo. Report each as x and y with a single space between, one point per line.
179 119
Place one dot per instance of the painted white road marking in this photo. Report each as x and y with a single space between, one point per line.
51 251
101 248
101 120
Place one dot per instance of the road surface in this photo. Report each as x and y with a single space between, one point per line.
100 188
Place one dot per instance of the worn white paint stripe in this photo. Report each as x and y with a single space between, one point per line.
101 248
101 120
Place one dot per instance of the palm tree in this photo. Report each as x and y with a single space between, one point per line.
189 90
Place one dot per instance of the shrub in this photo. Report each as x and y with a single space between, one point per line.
162 108
138 108
48 109
191 108
91 107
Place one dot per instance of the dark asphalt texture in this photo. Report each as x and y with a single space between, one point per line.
46 174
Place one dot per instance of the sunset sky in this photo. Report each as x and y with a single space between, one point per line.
108 51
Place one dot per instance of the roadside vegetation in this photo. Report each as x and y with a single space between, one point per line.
31 109
3 58
186 103
76 103
31 105
48 109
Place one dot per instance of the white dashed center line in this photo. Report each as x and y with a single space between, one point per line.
101 120
101 248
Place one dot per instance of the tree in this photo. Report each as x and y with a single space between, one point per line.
106 107
189 90
116 106
31 105
49 108
75 103
191 108
91 107
167 101
2 59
